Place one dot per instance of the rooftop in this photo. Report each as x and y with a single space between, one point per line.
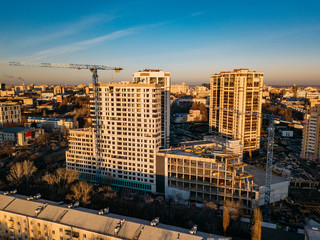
260 176
51 119
200 151
89 219
14 129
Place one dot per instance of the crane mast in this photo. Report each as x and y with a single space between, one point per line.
269 162
97 124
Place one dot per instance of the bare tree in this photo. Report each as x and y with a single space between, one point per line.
226 215
211 205
16 173
230 209
81 191
62 178
28 170
256 229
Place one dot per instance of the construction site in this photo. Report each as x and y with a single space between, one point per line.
197 173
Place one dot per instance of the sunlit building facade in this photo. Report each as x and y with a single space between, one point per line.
234 96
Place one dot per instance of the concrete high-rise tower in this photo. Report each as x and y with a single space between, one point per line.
231 95
162 78
311 135
129 137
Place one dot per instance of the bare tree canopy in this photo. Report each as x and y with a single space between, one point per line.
28 168
230 209
62 178
16 173
256 229
81 191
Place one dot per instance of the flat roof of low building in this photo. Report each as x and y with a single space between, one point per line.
202 152
89 220
14 129
260 176
51 119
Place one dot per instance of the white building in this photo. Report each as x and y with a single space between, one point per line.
130 136
52 123
231 95
20 135
10 112
162 78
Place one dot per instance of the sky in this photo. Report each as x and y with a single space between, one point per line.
189 39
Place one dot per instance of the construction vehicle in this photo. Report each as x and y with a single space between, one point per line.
94 69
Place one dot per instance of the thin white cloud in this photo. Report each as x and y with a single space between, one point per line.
69 29
197 13
73 47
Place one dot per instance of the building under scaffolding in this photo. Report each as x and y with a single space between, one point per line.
198 174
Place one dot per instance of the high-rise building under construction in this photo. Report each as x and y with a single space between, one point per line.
235 106
128 136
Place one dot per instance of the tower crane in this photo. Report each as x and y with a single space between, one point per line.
94 69
271 128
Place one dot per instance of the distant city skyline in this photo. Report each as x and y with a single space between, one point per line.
192 41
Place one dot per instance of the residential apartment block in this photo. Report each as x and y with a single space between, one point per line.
129 136
311 135
10 112
232 96
163 79
40 219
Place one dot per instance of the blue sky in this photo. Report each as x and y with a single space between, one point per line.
191 39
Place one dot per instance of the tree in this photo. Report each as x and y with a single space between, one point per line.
21 170
16 173
226 216
256 229
230 209
81 191
211 205
62 178
28 170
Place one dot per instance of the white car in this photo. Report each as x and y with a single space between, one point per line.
155 222
30 198
193 230
38 196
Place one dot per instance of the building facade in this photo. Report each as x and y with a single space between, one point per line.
197 173
232 96
10 112
129 137
182 88
22 219
163 79
20 135
311 135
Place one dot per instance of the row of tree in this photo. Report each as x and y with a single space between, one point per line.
231 210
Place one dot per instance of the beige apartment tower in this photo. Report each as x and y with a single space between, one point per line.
163 79
311 135
130 136
233 95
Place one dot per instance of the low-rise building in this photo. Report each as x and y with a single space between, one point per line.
10 112
52 123
180 88
20 135
41 219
